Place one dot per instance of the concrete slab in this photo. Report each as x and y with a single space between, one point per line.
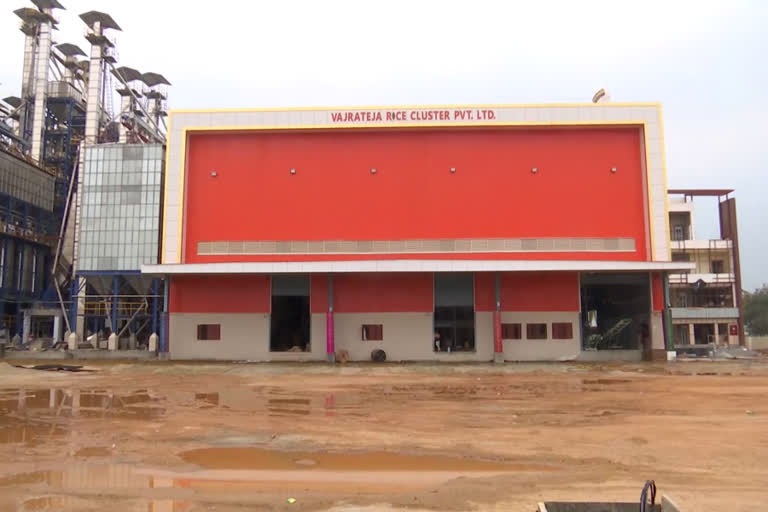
84 354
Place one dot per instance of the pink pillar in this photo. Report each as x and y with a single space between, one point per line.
329 341
498 346
330 345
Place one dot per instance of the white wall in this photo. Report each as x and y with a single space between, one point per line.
542 350
407 337
244 336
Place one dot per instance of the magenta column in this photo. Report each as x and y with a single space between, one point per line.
330 345
498 343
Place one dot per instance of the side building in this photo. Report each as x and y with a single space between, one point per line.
705 301
28 232
452 233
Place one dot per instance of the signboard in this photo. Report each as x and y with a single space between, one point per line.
414 115
733 330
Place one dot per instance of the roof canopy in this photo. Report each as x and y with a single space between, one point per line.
714 192
289 267
127 74
47 4
70 50
13 101
105 19
153 79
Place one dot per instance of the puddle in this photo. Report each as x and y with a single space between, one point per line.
251 471
94 451
260 459
35 416
605 382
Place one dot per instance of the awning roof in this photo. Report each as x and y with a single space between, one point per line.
412 265
700 191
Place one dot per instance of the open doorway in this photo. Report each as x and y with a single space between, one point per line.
454 317
290 317
615 311
704 333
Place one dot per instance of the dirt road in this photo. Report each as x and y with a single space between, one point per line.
173 437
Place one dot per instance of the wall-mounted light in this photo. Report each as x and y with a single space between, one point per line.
293 171
213 174
453 169
373 170
534 170
613 169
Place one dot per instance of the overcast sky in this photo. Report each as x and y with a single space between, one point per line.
705 61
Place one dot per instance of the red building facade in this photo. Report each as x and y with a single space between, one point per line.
431 233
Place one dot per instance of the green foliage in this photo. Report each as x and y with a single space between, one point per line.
756 311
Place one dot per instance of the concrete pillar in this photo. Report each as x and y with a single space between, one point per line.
41 87
79 306
27 81
717 333
72 341
498 344
330 346
691 335
115 311
93 109
112 342
125 108
28 77
656 331
58 326
153 342
132 341
26 328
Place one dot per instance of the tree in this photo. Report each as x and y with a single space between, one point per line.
756 311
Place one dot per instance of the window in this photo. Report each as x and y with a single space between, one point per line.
536 331
373 332
681 256
718 267
562 331
511 331
454 318
209 332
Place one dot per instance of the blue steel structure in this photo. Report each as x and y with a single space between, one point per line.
30 234
118 301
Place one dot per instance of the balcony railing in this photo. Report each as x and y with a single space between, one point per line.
704 313
687 245
725 278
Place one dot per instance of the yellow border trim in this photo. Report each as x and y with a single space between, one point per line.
186 130
419 107
664 179
165 189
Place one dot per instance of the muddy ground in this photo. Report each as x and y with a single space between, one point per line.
187 437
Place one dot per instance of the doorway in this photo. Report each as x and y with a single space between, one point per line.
615 311
704 333
289 329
